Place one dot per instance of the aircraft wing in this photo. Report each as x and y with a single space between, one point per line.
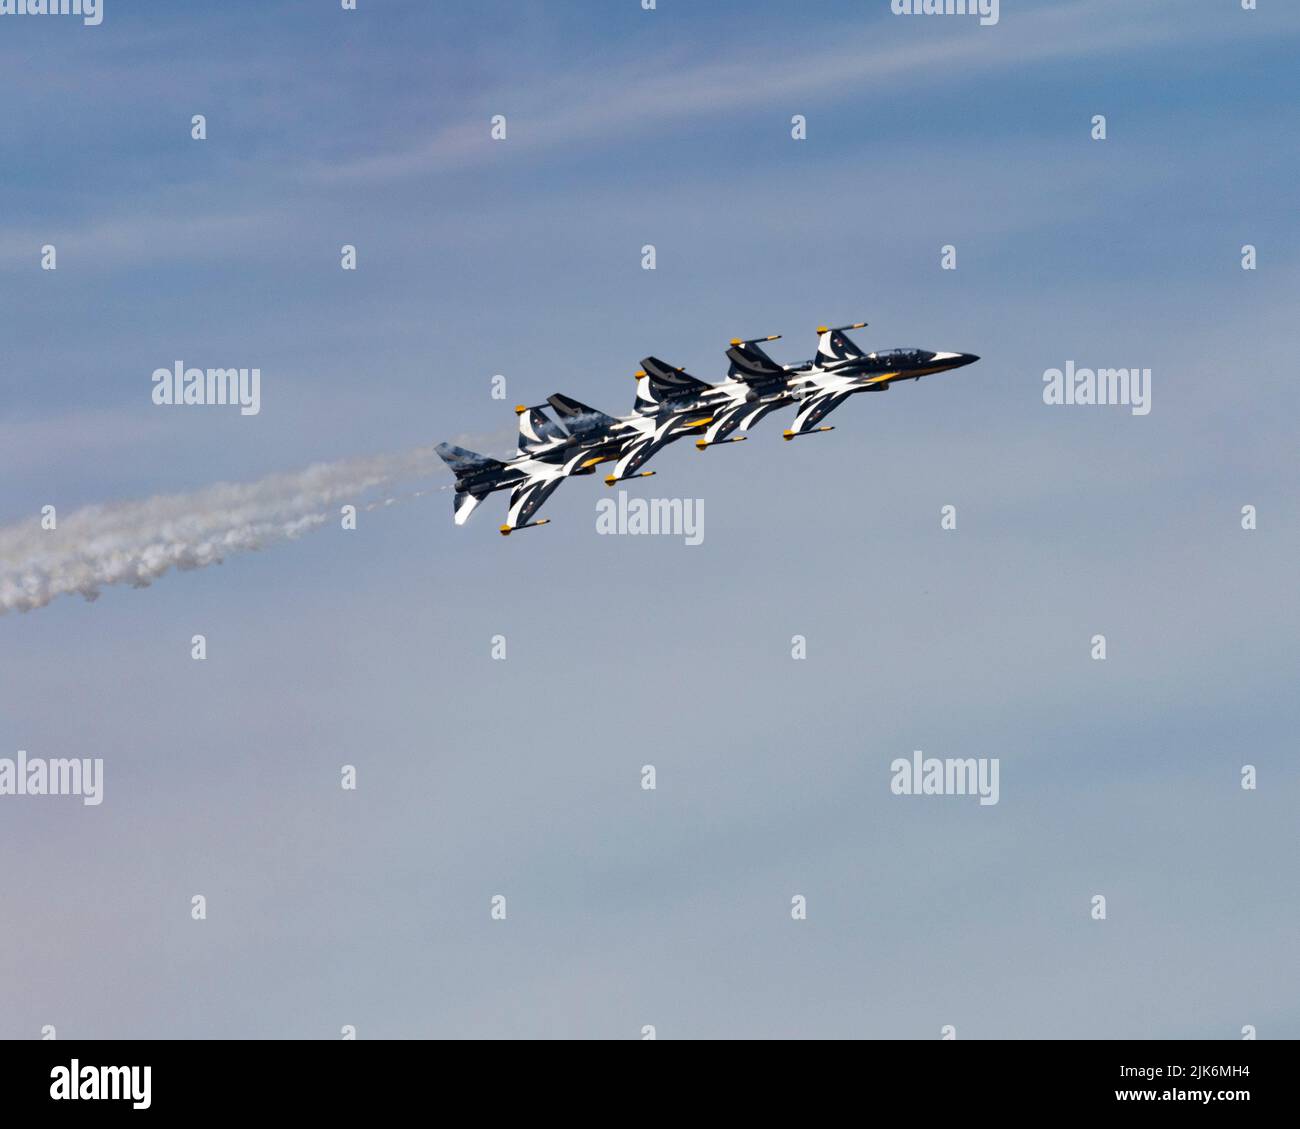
526 499
636 456
670 426
827 394
742 417
813 410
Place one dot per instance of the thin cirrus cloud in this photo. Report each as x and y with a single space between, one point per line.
576 108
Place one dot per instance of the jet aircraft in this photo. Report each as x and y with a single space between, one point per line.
838 370
547 455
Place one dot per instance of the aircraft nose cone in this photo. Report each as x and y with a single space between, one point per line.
955 360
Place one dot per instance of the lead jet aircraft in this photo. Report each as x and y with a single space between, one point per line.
839 370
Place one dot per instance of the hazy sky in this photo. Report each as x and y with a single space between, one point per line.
478 777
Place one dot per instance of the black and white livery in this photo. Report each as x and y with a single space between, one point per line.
547 455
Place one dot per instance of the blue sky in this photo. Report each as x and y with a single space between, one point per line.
521 777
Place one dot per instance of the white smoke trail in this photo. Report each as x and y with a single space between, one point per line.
136 542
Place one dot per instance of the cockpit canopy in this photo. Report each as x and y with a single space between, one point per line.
900 358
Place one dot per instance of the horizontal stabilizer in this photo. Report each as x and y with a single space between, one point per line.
464 506
464 463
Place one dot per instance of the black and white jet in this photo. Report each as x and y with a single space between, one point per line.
838 370
547 455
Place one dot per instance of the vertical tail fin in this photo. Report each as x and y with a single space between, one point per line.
647 399
668 383
578 418
751 364
834 345
537 429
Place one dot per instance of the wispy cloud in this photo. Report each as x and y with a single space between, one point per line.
632 96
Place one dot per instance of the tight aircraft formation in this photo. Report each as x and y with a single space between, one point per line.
670 405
